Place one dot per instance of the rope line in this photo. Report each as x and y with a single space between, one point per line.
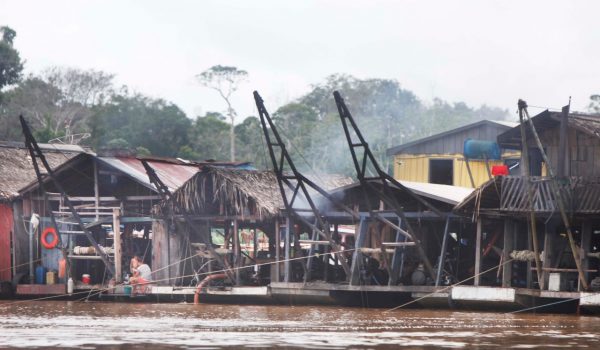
449 287
14 267
183 276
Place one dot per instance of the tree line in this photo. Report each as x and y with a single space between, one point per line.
85 106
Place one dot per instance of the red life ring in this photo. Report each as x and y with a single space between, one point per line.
53 242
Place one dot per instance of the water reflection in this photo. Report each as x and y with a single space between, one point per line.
147 326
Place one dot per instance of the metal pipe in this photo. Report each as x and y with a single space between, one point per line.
204 282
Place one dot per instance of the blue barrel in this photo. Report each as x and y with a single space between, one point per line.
40 275
477 149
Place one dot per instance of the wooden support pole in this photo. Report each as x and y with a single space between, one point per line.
549 239
397 258
586 239
360 236
168 232
478 252
557 194
469 172
509 235
442 258
254 242
529 190
287 243
277 251
117 244
562 169
96 189
237 252
311 252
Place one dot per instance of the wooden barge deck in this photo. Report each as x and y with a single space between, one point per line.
456 297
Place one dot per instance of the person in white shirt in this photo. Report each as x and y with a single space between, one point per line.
141 272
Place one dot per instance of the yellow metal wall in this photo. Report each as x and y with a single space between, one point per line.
415 167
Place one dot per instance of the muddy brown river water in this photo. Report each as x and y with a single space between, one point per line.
186 326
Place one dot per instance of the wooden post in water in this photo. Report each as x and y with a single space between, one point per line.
117 243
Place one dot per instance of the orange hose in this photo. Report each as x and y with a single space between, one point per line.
204 282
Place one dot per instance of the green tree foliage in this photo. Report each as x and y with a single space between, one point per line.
10 62
225 80
37 101
249 143
159 126
209 137
59 102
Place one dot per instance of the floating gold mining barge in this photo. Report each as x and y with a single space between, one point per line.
491 215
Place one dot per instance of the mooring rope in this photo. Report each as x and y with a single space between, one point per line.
101 290
13 267
448 287
554 303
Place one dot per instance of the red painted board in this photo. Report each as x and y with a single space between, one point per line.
6 226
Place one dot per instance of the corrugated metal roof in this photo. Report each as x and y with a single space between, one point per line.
172 175
444 193
397 149
508 195
585 123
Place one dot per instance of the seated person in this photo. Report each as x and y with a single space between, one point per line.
141 272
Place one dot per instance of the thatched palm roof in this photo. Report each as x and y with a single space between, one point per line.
229 191
16 167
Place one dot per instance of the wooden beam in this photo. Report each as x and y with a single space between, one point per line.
509 236
117 244
478 252
96 189
442 257
548 255
277 250
287 243
563 144
363 228
586 239
237 252
397 258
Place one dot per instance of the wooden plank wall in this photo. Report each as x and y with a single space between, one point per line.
6 228
583 155
160 256
413 163
453 144
21 236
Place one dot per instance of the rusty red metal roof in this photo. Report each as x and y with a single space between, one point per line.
172 174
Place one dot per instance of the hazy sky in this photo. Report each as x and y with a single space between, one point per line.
491 52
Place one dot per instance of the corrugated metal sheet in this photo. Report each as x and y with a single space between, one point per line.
451 141
173 175
448 194
586 123
508 194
